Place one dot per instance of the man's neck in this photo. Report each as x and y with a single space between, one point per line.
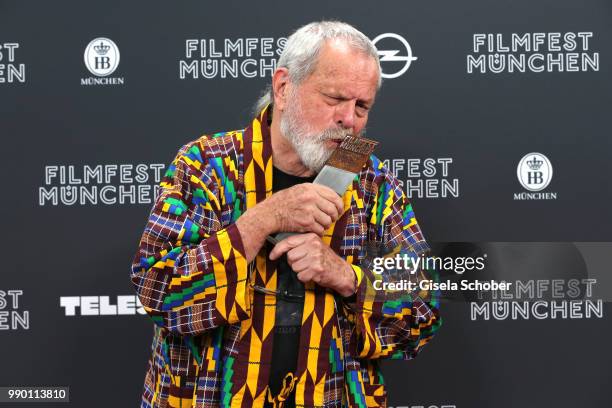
284 156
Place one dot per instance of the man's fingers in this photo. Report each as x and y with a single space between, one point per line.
331 196
286 245
323 219
328 208
301 264
324 191
304 276
317 229
280 248
295 254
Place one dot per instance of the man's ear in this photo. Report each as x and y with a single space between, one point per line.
280 82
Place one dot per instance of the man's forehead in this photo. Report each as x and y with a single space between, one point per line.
346 69
336 56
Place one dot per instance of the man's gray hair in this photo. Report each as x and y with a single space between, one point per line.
301 52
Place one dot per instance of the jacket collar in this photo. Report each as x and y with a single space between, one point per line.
258 159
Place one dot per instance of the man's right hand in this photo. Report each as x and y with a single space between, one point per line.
305 207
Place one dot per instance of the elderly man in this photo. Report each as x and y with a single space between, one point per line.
241 322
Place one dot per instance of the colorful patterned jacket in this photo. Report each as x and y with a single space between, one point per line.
213 334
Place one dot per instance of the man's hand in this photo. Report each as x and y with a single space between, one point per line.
314 261
305 207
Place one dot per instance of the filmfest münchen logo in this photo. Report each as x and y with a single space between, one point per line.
538 52
540 299
243 57
100 184
12 314
395 54
429 177
11 71
534 172
102 59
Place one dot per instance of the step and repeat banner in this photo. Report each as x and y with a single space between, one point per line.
496 118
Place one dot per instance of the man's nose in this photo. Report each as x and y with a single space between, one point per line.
345 114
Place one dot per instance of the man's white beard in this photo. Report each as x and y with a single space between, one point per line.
308 144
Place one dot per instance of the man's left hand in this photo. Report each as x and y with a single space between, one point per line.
314 261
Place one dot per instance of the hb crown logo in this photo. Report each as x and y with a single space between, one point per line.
101 57
534 171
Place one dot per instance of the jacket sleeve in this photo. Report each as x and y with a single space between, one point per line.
393 324
190 272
